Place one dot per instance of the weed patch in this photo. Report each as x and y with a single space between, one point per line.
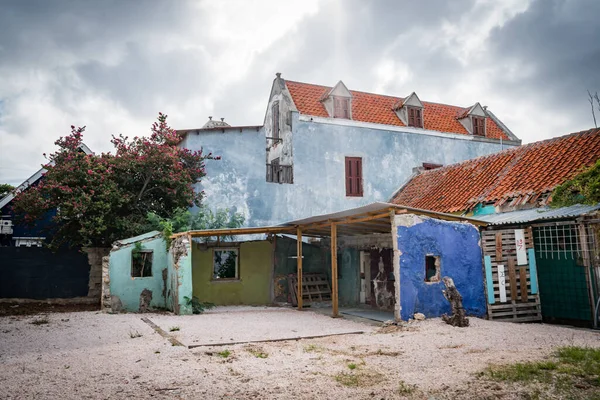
406 389
174 329
359 378
224 353
572 372
352 366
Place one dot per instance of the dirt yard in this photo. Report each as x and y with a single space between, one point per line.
93 355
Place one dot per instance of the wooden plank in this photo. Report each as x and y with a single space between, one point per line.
489 280
532 271
502 283
512 276
523 279
299 265
334 271
498 246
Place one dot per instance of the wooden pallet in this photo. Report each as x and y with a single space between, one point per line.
521 305
315 288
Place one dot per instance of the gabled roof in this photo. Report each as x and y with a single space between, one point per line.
34 178
379 109
519 175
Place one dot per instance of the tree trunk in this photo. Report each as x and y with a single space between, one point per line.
458 317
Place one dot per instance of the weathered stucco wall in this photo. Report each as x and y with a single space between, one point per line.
458 246
137 294
253 287
238 180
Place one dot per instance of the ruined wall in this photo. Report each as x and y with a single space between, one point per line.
179 276
95 255
253 287
458 246
238 180
137 294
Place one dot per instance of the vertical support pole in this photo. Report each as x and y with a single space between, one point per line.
334 270
299 272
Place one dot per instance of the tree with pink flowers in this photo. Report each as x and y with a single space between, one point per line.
97 199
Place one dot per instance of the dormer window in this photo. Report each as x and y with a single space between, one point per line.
338 101
415 117
478 126
341 107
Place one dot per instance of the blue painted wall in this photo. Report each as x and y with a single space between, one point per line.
128 289
238 180
458 246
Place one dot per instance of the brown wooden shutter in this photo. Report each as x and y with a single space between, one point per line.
353 167
275 115
345 104
358 177
418 118
411 117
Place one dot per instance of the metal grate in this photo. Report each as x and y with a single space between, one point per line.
564 241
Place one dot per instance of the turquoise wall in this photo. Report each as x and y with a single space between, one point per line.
184 279
129 289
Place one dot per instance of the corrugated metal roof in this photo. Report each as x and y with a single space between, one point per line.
536 214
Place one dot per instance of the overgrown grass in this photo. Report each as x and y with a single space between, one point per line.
571 372
359 378
174 329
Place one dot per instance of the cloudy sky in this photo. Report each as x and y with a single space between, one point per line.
112 65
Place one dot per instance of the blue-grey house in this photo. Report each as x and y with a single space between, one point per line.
324 149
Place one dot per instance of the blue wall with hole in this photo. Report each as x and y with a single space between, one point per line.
457 245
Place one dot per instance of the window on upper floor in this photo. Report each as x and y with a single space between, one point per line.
354 183
277 173
275 117
341 107
478 126
415 117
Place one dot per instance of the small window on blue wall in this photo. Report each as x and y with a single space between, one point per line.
432 268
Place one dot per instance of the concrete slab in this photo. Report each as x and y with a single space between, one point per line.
375 315
231 325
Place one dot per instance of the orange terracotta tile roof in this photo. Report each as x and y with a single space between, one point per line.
519 175
378 109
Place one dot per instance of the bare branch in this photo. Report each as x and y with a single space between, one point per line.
591 98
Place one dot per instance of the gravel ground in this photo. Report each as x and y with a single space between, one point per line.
93 355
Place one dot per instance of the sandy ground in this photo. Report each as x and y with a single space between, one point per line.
93 355
226 325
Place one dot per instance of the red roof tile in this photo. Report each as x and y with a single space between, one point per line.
521 174
378 109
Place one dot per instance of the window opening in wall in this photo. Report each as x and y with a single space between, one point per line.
478 126
277 173
432 268
141 263
225 264
354 184
341 108
415 117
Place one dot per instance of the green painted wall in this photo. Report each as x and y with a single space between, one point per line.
255 271
348 275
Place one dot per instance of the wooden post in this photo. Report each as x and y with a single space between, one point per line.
299 272
334 269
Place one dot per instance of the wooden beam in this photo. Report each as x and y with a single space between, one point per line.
299 265
334 271
237 231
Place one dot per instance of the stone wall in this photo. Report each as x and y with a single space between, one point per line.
95 255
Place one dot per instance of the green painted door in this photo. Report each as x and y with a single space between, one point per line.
564 293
